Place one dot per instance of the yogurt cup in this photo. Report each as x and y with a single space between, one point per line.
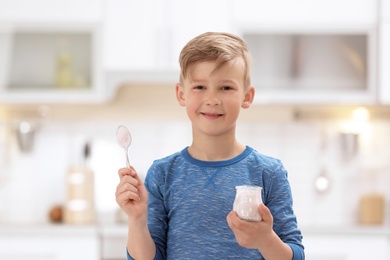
247 201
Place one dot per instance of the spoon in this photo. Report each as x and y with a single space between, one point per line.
123 137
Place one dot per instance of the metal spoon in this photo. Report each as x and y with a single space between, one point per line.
123 138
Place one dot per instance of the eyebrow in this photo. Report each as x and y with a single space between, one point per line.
225 81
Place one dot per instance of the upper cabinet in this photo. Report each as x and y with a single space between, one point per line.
46 11
50 52
313 68
303 51
384 50
137 43
143 39
310 15
310 52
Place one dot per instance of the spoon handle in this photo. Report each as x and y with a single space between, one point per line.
127 158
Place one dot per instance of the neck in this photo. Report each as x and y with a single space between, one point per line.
215 148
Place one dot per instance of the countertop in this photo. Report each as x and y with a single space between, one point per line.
120 230
47 229
346 230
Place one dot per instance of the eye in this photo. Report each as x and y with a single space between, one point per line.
226 88
199 87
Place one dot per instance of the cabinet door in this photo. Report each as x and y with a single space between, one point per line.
131 34
286 14
40 11
50 63
313 68
191 18
31 35
310 52
47 248
384 63
143 39
148 35
345 247
384 9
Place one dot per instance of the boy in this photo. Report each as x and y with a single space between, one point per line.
184 209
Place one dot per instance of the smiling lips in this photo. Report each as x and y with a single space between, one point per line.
212 115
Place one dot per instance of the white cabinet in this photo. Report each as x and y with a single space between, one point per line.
346 246
384 53
310 52
136 46
51 52
191 18
285 14
46 11
49 242
384 9
384 64
143 39
139 42
113 241
131 34
148 35
313 68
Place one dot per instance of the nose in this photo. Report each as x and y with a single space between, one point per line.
213 99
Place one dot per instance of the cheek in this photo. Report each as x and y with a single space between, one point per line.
234 107
191 106
234 102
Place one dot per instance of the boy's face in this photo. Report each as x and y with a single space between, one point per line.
214 98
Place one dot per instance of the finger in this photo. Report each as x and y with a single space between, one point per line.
127 184
130 180
123 172
129 172
126 192
136 176
229 219
125 197
234 220
265 213
122 187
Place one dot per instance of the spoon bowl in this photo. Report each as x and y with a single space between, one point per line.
124 139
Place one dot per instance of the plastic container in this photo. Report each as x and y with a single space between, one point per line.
247 201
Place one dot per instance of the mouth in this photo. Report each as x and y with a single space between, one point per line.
212 115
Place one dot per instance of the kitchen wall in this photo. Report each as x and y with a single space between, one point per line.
33 182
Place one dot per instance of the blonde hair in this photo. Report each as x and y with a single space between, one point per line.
214 46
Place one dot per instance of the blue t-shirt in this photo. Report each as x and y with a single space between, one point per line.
189 201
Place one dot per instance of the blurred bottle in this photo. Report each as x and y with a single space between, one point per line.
64 73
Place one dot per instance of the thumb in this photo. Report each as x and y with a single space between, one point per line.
265 213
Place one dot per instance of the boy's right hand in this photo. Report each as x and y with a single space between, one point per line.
131 194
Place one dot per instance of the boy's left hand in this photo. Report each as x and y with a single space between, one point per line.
252 234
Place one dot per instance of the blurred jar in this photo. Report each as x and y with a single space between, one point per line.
372 209
79 207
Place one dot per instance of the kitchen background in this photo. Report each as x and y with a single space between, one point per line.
72 71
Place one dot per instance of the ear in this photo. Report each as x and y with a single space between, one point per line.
180 95
249 97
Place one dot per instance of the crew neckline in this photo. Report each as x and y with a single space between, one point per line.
202 163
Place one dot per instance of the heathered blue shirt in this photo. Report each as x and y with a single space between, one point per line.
189 201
